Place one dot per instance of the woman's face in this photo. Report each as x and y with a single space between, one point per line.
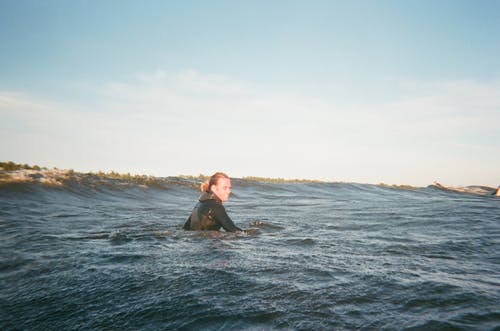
222 189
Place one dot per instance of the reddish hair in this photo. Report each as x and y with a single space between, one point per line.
205 186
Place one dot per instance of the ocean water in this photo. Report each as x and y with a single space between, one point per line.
100 254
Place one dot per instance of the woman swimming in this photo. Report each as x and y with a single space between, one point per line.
209 214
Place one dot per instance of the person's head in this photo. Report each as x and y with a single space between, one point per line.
219 184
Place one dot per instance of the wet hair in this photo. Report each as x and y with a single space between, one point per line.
205 186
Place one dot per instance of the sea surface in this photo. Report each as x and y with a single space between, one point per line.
94 253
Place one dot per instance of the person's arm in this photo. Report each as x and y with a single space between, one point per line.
187 225
224 220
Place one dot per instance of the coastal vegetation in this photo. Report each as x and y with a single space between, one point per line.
141 179
151 180
12 172
280 180
401 187
11 166
137 179
148 180
202 177
117 175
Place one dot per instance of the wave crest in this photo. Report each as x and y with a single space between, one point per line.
70 178
52 177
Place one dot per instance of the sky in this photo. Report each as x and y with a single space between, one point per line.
396 92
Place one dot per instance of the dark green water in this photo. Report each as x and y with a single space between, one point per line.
111 255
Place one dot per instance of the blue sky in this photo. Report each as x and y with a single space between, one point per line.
400 92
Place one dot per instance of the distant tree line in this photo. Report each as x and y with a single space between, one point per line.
11 166
280 180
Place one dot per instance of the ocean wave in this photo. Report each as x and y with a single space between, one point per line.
46 177
72 180
471 189
107 251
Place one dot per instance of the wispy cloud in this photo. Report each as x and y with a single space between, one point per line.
190 122
448 109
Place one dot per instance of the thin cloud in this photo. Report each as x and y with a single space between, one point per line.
153 122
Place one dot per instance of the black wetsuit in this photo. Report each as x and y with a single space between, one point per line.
210 214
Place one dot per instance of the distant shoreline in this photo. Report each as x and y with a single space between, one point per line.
11 172
25 172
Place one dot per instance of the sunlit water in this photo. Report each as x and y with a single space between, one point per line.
111 255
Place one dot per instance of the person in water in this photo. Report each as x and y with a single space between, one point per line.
209 214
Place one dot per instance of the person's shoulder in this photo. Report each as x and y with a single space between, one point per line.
214 203
210 198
